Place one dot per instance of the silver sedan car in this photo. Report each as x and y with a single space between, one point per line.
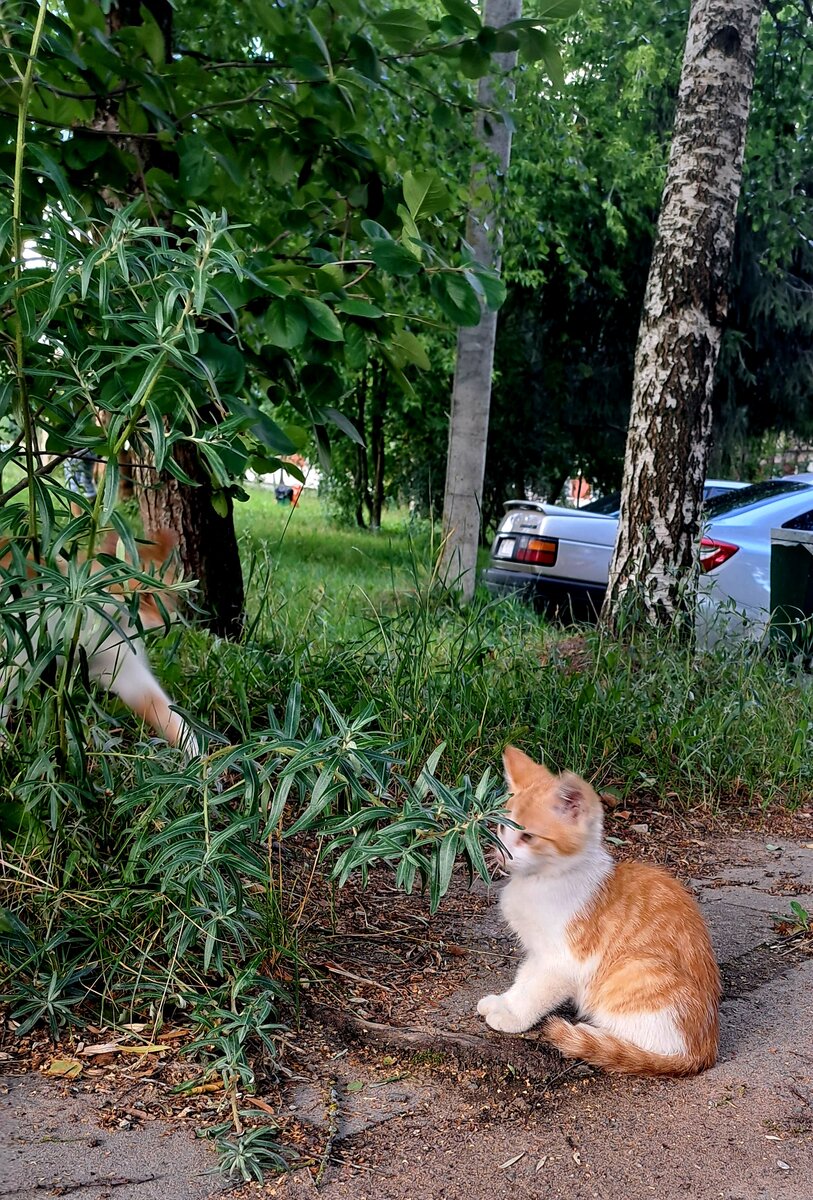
560 559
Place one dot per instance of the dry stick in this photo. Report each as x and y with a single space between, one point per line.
332 1114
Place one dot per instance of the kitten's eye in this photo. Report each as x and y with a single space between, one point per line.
526 837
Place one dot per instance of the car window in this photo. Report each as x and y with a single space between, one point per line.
805 521
610 506
607 506
744 499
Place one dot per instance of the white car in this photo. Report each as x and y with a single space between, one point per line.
560 558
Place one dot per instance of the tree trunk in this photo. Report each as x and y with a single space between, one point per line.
207 543
655 560
361 478
379 409
471 391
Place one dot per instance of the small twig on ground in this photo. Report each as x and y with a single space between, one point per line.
334 970
332 1115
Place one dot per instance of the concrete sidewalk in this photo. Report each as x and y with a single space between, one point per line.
742 1131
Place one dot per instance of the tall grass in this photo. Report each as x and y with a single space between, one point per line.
358 615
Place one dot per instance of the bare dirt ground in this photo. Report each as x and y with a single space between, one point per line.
432 1104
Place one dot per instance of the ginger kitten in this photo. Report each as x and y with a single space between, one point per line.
625 942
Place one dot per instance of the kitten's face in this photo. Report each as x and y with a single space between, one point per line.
559 815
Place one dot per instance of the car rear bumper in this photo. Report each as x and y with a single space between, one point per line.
568 598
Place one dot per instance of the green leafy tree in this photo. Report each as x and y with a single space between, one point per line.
335 224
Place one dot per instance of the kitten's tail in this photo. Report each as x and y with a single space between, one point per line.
611 1053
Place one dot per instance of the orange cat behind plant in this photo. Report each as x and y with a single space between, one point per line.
624 942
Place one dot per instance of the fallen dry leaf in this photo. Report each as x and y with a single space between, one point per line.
100 1048
64 1068
511 1161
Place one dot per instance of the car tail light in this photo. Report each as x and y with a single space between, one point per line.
714 554
541 551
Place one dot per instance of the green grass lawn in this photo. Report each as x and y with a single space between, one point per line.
317 577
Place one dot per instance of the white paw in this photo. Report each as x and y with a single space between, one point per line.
504 1019
500 1015
487 1003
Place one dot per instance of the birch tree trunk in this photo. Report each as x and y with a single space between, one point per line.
653 574
471 391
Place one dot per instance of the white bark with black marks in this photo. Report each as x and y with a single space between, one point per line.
471 392
684 314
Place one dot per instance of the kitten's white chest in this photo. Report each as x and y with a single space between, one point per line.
539 909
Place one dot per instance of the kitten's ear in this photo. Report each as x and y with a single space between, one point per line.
520 770
571 798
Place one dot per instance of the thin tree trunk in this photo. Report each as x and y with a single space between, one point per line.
379 409
471 391
684 313
362 475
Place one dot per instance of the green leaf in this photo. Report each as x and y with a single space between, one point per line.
356 347
220 503
345 424
359 308
365 57
493 288
445 861
197 165
320 42
266 430
464 13
225 363
394 258
374 230
424 194
457 300
536 44
474 62
403 29
151 38
412 349
286 322
554 10
323 447
322 320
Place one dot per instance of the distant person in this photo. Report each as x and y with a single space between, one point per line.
581 491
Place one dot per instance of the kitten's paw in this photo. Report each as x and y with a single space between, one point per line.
504 1019
487 1003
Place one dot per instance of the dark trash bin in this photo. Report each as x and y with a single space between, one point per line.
283 493
792 586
